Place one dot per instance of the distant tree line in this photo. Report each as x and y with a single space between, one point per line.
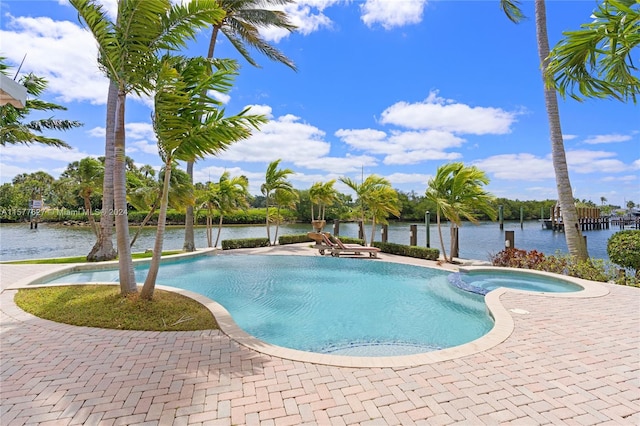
78 190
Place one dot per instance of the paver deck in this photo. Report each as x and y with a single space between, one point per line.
568 360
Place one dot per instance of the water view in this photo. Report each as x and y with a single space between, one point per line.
479 242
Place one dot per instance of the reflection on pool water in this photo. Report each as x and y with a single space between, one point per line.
340 306
482 282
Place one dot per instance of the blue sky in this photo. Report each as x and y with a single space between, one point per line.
393 88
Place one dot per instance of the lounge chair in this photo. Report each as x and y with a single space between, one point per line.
337 247
322 243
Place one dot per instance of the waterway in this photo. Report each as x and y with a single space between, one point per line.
479 242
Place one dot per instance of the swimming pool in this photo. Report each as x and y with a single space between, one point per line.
482 282
328 305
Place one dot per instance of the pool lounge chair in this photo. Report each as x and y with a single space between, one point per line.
338 247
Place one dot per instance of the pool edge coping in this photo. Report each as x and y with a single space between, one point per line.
503 321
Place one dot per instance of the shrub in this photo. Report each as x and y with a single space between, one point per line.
590 269
245 243
409 251
623 249
293 239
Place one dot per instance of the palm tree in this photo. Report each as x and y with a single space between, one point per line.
275 179
241 25
283 198
87 175
146 193
127 54
322 195
367 191
227 195
382 202
457 192
188 124
13 127
597 60
103 248
575 243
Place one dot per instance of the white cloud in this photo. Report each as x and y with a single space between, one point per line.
612 138
18 159
569 137
584 161
59 51
307 15
523 166
286 138
337 165
625 178
403 147
390 14
140 130
436 113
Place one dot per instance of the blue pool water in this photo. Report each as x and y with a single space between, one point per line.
484 282
329 305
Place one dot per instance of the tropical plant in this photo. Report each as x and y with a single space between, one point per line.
623 248
188 124
146 193
14 129
322 195
127 54
369 193
575 242
227 195
275 179
457 192
87 176
381 203
283 198
597 59
241 25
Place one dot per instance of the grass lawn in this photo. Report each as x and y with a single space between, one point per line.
83 259
102 306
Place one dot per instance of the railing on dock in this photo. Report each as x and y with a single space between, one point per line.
589 219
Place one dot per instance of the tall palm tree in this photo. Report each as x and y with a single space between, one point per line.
13 127
457 192
575 243
367 191
275 179
103 248
241 25
188 124
127 54
597 59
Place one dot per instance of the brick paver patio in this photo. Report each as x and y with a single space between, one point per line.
567 361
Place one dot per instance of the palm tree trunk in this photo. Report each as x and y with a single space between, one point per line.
267 221
189 236
275 237
575 242
444 252
144 221
103 248
373 230
87 208
219 230
125 263
152 275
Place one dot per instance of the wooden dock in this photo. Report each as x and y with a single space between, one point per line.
589 219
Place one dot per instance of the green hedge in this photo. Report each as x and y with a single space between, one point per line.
294 239
409 251
245 243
